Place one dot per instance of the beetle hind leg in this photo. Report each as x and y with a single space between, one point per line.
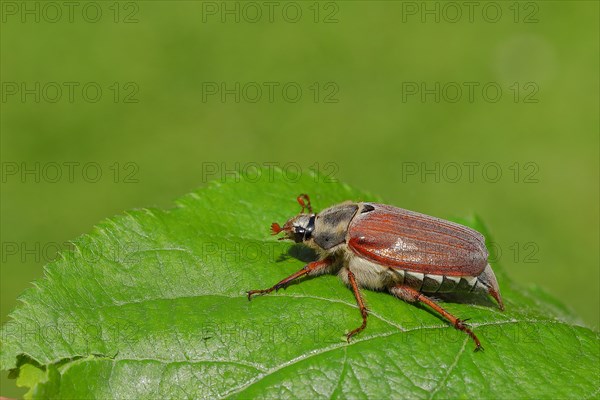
411 295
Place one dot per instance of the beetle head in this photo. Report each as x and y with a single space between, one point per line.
298 228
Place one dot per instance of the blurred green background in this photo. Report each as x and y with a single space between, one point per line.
378 106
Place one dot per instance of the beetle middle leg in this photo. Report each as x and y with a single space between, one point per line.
361 305
310 268
411 295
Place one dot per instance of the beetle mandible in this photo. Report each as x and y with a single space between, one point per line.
381 247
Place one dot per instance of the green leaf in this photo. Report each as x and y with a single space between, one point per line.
152 305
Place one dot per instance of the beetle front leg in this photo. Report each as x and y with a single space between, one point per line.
361 305
411 295
301 199
312 267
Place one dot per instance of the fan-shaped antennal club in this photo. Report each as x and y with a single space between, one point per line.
275 228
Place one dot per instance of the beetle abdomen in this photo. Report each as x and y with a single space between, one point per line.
378 277
398 238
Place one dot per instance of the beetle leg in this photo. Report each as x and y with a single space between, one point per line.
361 305
411 295
304 197
311 267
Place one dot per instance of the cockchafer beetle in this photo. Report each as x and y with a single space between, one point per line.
381 247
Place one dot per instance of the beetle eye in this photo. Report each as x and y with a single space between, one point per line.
298 234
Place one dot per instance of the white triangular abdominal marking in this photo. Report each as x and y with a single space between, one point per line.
416 275
471 280
438 278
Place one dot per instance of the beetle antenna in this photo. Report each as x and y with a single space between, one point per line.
275 228
301 200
